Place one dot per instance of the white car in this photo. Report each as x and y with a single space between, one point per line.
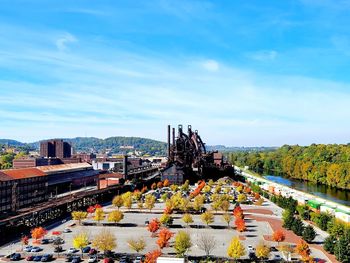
67 230
138 260
250 248
72 250
93 259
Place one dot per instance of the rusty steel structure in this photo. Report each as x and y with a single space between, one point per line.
187 155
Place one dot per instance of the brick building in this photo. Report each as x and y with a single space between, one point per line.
55 148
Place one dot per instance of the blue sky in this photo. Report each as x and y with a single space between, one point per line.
241 72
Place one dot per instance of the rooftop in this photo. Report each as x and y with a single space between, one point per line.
15 174
64 167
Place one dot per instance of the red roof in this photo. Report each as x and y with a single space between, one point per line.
16 174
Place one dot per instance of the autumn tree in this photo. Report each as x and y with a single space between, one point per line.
153 226
151 257
137 244
240 224
140 205
127 200
262 251
99 215
166 219
238 212
137 195
154 186
115 216
163 238
118 201
225 205
24 241
198 202
105 240
159 185
90 210
187 218
207 217
80 240
227 218
38 233
278 236
241 198
303 250
207 243
182 243
185 204
166 183
236 249
216 205
79 215
150 201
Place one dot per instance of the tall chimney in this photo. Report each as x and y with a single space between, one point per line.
173 137
169 141
125 167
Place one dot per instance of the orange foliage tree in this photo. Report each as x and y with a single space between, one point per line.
240 224
238 212
91 209
256 196
159 185
154 186
303 250
168 210
198 190
144 189
166 183
151 257
153 226
37 233
279 236
164 237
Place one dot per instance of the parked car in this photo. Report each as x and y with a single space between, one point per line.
108 260
277 257
67 230
124 259
37 258
36 249
250 248
92 251
46 258
93 259
28 248
138 259
86 249
45 241
29 258
72 250
273 249
76 259
15 257
69 258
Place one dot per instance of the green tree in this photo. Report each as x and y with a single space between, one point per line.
182 243
288 219
309 234
329 244
298 227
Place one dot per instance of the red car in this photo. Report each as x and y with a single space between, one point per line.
108 260
29 258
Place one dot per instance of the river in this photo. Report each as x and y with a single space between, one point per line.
340 196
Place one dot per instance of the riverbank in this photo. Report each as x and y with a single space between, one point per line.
291 191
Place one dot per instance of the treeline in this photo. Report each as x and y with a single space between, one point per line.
324 164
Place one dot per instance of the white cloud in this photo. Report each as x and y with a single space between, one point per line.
211 65
263 55
63 40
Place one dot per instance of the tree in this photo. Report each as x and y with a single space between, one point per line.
166 219
341 249
118 201
90 210
198 202
279 236
288 219
236 249
240 224
185 204
150 200
105 240
159 185
154 186
329 243
137 244
137 195
227 218
173 187
79 215
225 205
99 214
80 240
262 251
207 217
182 243
163 238
238 212
140 205
216 205
24 241
207 243
298 226
115 216
166 183
38 233
151 257
303 250
127 202
309 234
153 226
241 198
187 218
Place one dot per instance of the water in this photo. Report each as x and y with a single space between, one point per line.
340 196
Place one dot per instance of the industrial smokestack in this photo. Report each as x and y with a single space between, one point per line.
125 167
169 141
173 137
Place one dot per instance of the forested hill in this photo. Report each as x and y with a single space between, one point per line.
325 164
113 144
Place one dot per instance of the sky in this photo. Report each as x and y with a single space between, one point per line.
243 73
